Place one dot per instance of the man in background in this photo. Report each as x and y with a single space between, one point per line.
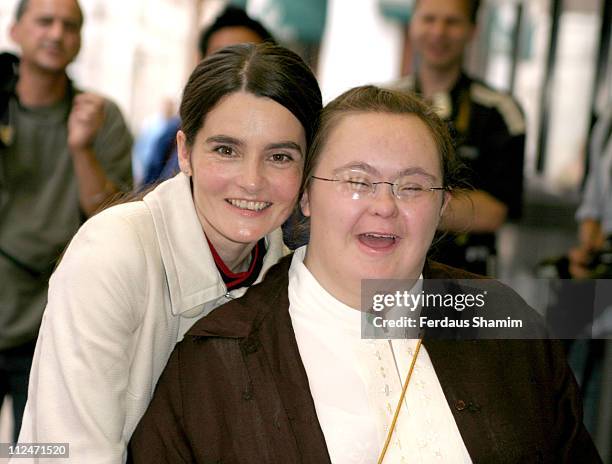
63 152
488 126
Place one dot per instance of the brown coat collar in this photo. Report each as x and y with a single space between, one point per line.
241 317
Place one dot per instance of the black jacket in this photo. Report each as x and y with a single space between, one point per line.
235 391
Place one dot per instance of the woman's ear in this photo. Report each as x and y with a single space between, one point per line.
184 153
305 204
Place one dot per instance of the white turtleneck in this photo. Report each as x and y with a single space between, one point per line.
356 383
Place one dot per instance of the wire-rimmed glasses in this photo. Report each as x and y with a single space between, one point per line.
358 184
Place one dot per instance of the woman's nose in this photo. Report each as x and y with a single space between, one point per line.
252 177
383 202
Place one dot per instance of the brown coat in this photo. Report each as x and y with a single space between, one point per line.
235 391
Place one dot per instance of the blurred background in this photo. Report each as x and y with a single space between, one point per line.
553 55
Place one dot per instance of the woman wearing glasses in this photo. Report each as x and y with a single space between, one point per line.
137 276
283 374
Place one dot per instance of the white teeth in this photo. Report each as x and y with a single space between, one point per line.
381 236
250 205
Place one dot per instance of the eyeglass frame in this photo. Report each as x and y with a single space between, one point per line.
393 185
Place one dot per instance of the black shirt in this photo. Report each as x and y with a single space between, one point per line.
489 133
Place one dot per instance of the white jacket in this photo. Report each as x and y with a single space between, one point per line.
134 279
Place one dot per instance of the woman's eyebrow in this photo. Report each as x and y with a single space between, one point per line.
224 139
287 145
417 170
358 166
365 167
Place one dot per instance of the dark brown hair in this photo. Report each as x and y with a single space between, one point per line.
472 9
264 70
232 16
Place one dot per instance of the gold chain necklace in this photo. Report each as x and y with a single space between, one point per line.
401 400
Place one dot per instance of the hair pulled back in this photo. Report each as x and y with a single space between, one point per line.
264 70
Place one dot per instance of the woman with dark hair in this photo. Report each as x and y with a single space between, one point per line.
138 275
283 376
233 26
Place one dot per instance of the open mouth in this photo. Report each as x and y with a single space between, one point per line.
378 241
249 205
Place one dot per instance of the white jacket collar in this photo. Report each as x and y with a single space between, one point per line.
191 273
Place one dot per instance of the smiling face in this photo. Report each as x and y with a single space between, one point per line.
376 236
246 163
440 30
49 34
